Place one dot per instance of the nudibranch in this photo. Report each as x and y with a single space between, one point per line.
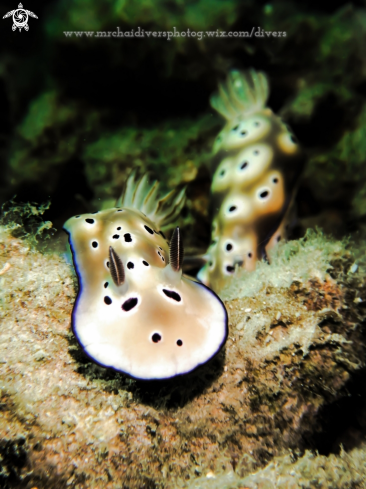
256 165
135 312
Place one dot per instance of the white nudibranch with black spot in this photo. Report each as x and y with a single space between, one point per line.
135 312
256 165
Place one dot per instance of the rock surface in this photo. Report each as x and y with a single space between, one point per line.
292 350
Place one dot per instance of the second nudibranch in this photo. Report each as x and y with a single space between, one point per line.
135 312
256 164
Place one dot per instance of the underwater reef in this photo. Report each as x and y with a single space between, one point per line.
284 402
296 344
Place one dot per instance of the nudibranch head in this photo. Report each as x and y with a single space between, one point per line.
135 311
256 163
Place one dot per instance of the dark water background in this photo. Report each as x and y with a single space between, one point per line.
96 87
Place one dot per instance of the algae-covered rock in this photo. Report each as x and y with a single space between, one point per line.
46 140
294 345
172 152
290 472
131 92
336 172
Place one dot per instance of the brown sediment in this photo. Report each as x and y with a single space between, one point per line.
66 422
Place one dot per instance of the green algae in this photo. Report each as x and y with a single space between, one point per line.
172 151
25 221
343 167
89 15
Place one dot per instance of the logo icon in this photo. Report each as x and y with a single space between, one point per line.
20 17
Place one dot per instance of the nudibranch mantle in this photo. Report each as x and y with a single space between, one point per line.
146 319
256 163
